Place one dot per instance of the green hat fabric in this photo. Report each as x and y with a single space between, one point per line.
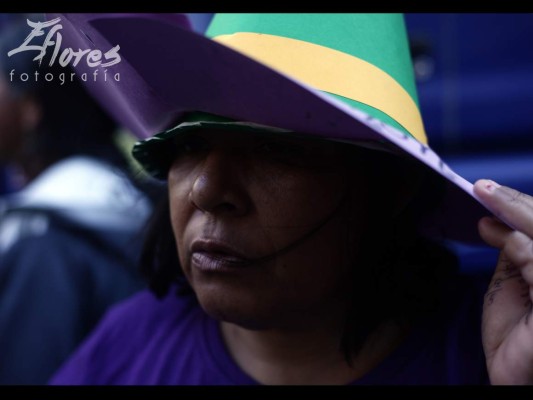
379 39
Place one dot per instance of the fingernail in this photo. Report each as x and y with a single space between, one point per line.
491 186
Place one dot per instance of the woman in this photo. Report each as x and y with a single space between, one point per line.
287 257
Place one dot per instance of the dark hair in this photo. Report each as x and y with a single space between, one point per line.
402 271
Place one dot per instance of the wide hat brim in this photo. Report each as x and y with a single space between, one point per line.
167 70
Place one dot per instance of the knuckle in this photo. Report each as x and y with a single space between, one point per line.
520 248
514 196
517 197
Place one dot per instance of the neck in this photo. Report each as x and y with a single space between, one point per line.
307 356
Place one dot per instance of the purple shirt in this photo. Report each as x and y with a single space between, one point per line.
146 341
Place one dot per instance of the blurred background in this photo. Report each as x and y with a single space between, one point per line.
475 83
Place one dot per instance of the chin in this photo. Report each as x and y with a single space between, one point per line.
246 310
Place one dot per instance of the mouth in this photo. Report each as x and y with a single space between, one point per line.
212 256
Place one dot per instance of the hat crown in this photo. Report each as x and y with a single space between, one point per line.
361 59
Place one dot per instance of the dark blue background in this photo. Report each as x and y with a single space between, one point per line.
475 85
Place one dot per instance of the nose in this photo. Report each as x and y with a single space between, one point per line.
219 188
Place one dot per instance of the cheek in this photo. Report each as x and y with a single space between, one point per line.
181 209
309 220
322 216
331 228
291 204
315 270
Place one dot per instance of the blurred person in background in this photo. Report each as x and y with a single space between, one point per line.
68 238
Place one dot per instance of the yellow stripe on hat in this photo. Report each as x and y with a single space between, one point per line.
334 72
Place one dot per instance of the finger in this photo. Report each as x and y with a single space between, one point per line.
494 232
511 206
507 303
489 186
508 296
517 247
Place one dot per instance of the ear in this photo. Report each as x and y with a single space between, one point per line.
31 113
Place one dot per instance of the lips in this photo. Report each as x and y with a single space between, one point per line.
214 255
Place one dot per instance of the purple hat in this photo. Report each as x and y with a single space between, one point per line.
166 71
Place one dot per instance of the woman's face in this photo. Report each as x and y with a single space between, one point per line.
266 226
